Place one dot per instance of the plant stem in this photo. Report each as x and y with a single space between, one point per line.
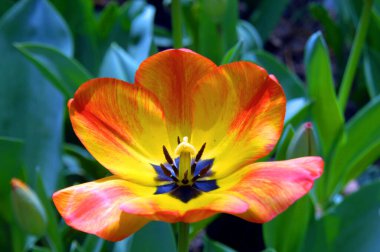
176 23
349 72
183 237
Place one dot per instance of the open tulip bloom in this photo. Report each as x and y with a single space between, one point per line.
182 145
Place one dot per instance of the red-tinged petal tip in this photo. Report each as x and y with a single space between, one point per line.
271 187
18 184
94 208
69 102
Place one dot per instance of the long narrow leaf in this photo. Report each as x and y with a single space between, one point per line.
359 149
152 234
65 73
325 111
351 226
292 85
284 233
53 233
118 64
371 61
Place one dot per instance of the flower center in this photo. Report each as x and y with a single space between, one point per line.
185 177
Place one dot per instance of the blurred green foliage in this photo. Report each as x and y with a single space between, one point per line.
48 48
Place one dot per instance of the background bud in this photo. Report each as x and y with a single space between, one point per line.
304 143
28 209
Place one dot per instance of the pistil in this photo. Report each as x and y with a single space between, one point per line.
184 150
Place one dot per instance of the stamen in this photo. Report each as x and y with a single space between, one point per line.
167 155
168 173
185 180
193 168
197 158
202 173
200 152
170 160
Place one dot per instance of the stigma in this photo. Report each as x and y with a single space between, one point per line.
185 147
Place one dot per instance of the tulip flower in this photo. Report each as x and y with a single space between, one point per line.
182 144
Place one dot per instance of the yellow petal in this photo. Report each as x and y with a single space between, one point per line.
171 75
238 112
122 126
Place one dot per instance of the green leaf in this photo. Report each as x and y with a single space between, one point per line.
348 11
65 74
334 36
34 108
373 41
5 233
40 249
296 110
267 15
351 226
118 64
214 246
229 23
215 33
83 160
19 238
371 59
5 5
282 145
82 22
250 37
154 237
123 245
10 162
233 54
130 25
53 233
325 112
287 231
209 39
92 243
291 84
141 34
107 21
359 149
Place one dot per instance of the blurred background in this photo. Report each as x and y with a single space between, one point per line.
326 55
